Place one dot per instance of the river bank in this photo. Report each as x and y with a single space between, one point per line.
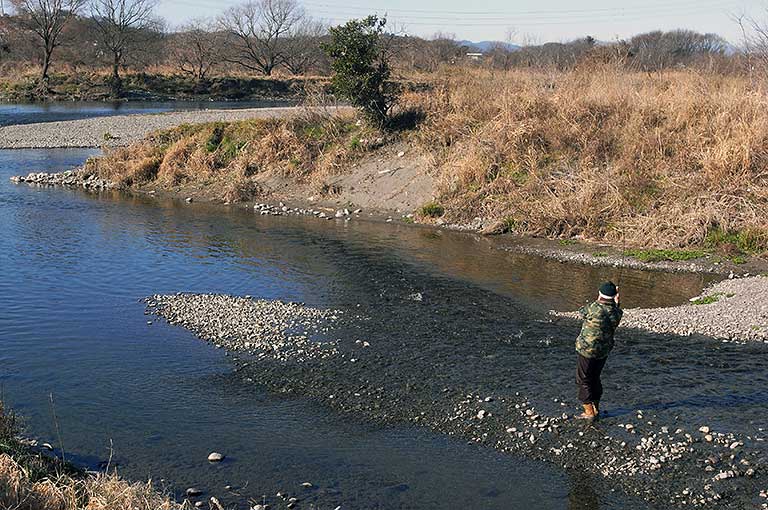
734 310
303 158
119 130
32 478
93 86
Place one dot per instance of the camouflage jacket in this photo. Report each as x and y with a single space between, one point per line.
596 337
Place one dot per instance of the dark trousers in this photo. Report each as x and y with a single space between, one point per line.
588 372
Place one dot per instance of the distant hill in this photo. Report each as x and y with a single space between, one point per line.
484 46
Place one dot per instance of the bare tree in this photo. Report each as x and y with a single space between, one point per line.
197 48
658 50
301 47
442 49
120 24
258 29
47 19
755 41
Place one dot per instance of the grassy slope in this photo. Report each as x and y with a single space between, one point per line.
228 158
666 161
658 160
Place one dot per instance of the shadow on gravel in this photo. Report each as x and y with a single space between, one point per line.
441 351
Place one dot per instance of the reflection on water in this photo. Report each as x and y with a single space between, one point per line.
74 265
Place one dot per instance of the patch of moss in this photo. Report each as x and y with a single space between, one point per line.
707 300
655 255
432 210
566 242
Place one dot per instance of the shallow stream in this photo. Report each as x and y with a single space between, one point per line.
156 400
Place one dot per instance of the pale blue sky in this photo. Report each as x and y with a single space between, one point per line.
528 20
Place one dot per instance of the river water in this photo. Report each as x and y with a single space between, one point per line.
74 339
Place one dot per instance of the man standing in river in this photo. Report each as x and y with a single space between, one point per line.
594 343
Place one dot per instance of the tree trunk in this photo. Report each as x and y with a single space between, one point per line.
43 88
46 67
116 82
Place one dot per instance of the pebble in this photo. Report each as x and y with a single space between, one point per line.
215 457
193 492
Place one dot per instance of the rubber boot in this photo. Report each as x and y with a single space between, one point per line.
590 413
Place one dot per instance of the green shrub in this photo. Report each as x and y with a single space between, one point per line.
749 241
360 61
432 210
215 138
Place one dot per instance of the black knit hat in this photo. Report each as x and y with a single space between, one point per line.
608 289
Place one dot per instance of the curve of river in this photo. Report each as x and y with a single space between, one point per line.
158 401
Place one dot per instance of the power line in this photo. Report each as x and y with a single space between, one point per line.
643 7
522 18
537 19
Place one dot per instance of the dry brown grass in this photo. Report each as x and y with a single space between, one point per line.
98 492
32 481
652 160
231 158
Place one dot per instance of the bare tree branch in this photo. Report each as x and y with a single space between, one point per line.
197 48
258 30
120 23
47 19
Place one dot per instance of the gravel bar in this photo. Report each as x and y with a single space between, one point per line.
263 328
118 130
733 310
385 363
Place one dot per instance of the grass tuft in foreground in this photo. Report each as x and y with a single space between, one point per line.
34 481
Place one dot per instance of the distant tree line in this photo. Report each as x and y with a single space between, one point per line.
277 36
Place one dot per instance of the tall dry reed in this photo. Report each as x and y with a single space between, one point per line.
650 159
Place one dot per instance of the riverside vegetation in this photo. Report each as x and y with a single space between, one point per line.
671 160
